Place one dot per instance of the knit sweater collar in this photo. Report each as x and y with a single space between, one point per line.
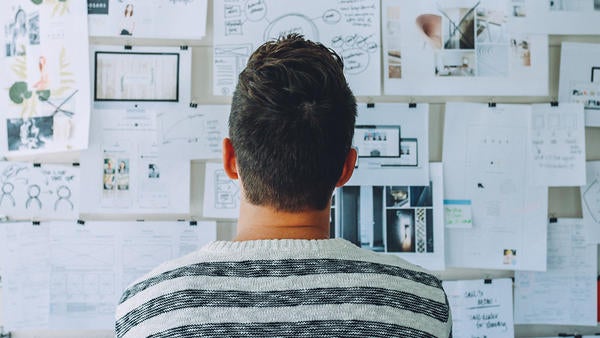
334 244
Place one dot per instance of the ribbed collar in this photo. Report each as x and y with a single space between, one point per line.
320 245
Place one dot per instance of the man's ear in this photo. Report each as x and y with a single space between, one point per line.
229 159
348 168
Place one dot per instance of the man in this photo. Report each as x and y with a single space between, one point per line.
291 128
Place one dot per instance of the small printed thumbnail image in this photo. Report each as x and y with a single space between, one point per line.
386 219
153 171
108 176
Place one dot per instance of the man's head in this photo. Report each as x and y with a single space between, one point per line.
291 125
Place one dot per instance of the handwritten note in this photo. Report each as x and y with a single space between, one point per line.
558 144
570 278
457 214
481 309
351 28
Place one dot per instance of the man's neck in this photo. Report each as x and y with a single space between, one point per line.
260 222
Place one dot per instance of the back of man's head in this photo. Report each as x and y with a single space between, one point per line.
291 124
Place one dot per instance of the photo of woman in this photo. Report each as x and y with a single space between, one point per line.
127 23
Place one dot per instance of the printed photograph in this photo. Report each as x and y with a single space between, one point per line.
108 177
123 174
21 31
492 59
400 230
29 134
520 52
396 196
153 171
510 257
455 63
430 28
458 27
421 196
491 25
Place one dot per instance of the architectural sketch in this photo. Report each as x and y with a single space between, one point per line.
46 86
352 30
30 191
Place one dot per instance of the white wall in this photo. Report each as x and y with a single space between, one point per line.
563 202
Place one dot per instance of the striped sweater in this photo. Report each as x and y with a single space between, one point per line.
285 288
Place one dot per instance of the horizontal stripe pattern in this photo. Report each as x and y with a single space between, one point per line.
281 268
280 284
335 328
220 298
285 288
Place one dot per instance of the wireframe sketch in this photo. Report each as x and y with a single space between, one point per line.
229 61
226 192
351 30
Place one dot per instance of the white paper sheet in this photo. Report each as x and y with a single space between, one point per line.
566 17
221 194
558 144
468 47
486 162
404 220
141 77
566 293
25 275
193 133
352 29
580 78
35 192
392 141
481 309
158 19
124 172
590 202
45 80
64 275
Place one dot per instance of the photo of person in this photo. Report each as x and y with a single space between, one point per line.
123 174
510 257
108 177
42 83
127 23
16 34
153 171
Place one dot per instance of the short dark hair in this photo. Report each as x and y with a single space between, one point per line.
291 124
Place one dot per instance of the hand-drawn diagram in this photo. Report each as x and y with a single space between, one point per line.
221 194
46 85
40 192
194 133
242 25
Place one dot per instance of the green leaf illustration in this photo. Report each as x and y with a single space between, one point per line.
37 2
43 95
18 92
